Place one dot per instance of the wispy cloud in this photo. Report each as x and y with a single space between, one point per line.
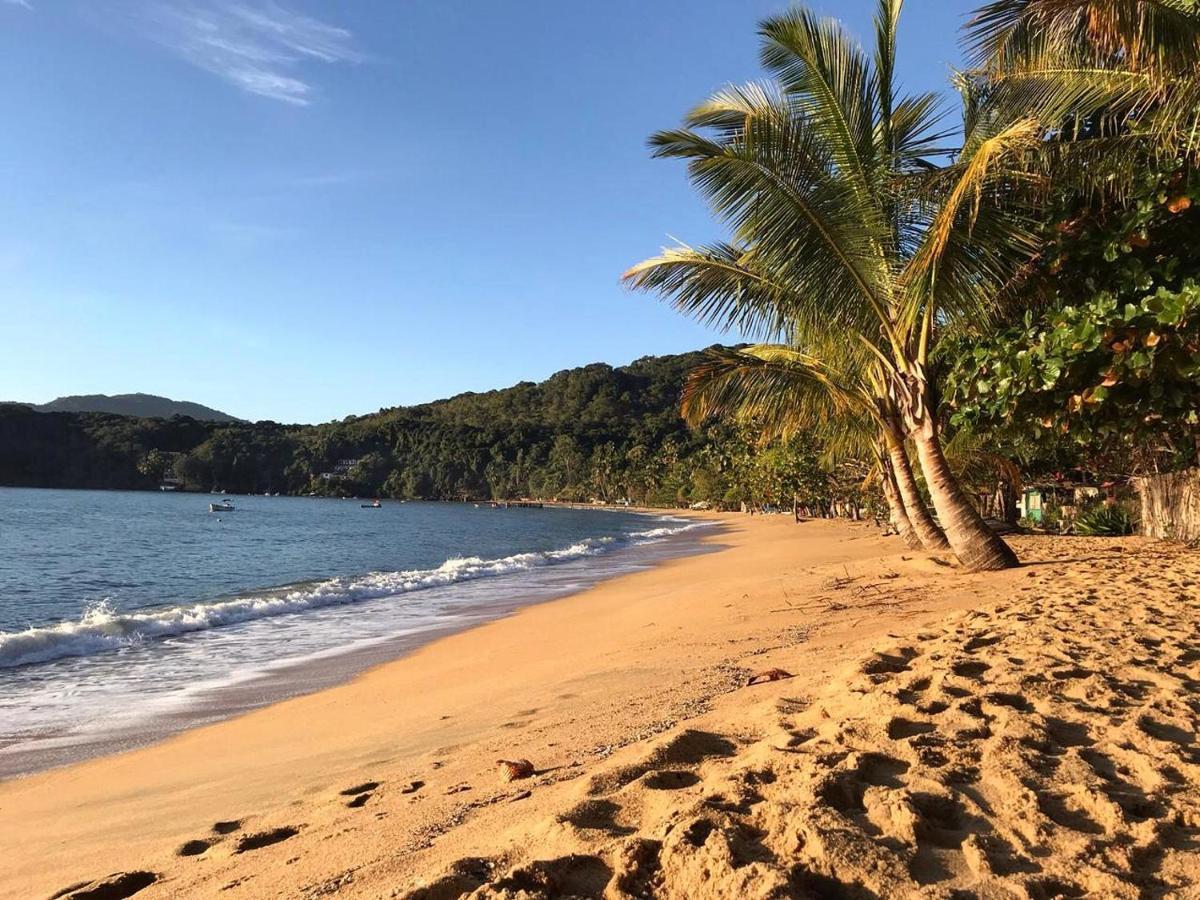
325 179
260 46
25 4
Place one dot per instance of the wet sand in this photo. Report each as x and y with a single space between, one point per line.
488 599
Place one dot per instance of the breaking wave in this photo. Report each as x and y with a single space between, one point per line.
103 629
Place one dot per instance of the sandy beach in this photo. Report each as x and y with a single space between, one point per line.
1029 733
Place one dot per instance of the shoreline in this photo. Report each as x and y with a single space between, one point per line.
455 690
924 708
305 675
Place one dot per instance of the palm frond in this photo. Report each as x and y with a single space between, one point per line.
975 245
846 439
917 132
720 285
729 111
1107 66
824 72
973 462
773 183
887 18
781 390
1162 35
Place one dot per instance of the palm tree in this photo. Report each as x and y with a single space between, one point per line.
725 286
845 227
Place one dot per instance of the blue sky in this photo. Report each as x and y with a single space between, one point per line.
300 210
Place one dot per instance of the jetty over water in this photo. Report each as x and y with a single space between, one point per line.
517 504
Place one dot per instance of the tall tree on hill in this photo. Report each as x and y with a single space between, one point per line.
845 226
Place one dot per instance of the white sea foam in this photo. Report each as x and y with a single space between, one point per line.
666 531
103 629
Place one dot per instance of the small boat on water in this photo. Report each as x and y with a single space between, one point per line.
223 506
375 505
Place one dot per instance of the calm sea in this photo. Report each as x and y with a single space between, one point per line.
125 616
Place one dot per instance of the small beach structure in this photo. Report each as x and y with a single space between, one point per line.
1061 499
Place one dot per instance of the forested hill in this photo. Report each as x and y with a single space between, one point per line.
138 405
594 431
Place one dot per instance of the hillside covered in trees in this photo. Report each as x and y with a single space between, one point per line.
591 432
141 405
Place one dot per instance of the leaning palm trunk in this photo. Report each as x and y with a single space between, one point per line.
891 493
931 536
975 544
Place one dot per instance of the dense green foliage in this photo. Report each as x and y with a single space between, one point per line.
594 432
1102 365
94 450
1105 520
1109 377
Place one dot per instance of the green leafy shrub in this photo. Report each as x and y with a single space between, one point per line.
1052 518
1104 521
1098 358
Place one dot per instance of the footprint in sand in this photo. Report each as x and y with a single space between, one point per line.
969 668
670 780
689 748
597 815
359 794
113 887
574 875
194 848
264 838
899 729
890 663
199 846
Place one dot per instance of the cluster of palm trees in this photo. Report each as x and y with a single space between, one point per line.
864 229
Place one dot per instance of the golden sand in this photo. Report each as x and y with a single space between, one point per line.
914 731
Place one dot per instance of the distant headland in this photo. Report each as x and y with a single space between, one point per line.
143 406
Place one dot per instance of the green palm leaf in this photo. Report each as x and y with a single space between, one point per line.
778 388
721 285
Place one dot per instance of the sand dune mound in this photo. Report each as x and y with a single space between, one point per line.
1043 747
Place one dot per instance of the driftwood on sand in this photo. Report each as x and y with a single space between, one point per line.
768 675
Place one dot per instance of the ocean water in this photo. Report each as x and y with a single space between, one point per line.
125 616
